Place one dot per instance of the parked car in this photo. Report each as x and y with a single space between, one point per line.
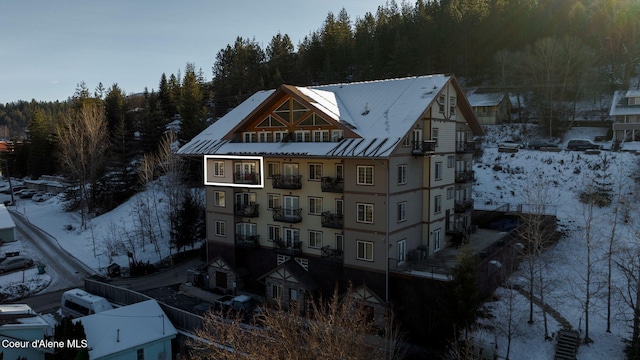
42 196
541 143
14 263
510 144
27 193
16 188
582 144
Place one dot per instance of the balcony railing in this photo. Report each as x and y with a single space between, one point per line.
287 247
463 205
247 241
247 210
246 178
291 182
465 146
425 148
328 252
287 215
464 176
334 221
332 184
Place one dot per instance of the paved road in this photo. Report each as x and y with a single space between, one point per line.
50 301
65 270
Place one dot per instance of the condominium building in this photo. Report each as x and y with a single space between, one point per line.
309 187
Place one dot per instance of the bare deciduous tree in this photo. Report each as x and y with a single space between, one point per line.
82 142
337 328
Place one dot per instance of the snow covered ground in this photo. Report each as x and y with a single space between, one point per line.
564 173
507 178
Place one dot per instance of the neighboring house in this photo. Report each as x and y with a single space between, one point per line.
7 226
343 181
137 331
625 110
19 327
490 108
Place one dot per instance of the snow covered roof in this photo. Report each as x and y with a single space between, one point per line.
484 99
620 105
379 114
126 327
6 222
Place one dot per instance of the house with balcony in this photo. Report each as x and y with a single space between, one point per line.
625 111
309 187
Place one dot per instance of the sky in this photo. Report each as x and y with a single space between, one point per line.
48 47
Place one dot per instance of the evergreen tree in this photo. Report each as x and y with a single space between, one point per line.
462 299
40 146
189 222
115 108
65 330
280 61
192 108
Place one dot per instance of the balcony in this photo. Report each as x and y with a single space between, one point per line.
246 178
424 148
333 254
334 221
247 210
331 184
463 177
247 241
463 206
287 215
287 247
291 182
465 147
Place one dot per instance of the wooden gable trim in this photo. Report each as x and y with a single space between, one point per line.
283 275
271 103
466 109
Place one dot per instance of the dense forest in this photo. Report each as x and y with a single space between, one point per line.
552 52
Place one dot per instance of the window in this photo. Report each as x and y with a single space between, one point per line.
303 136
321 135
140 354
365 213
339 171
278 136
449 193
339 207
249 137
221 228
219 198
315 172
406 141
265 136
436 239
273 169
273 201
435 133
452 105
337 135
276 292
365 250
315 239
451 161
401 251
339 242
365 175
315 205
218 168
437 204
441 103
246 229
402 211
274 232
402 174
438 171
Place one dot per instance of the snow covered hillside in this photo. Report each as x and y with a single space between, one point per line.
508 178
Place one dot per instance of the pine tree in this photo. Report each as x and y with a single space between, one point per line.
192 108
65 330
